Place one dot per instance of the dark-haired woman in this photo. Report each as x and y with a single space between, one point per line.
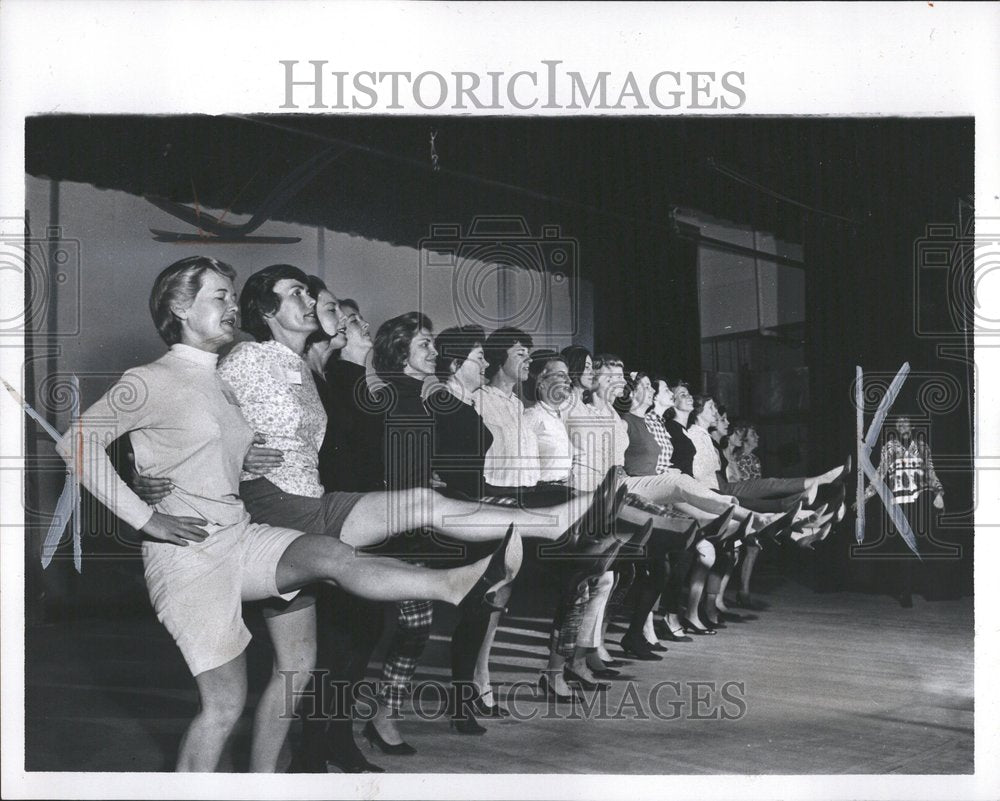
202 555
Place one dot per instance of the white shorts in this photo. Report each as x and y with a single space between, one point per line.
198 590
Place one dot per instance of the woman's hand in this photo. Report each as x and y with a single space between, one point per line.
151 490
261 460
939 501
177 530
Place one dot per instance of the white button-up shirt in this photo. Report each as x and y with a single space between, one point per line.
512 460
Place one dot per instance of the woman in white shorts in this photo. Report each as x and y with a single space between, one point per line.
202 556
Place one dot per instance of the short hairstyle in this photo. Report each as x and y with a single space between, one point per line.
499 342
607 360
454 345
699 402
740 426
177 285
674 384
352 303
631 382
259 299
540 359
392 342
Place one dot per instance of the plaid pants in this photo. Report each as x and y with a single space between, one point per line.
413 619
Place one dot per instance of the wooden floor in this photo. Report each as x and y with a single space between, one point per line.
831 683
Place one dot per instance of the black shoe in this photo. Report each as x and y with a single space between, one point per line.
351 760
574 679
778 529
713 529
675 636
370 733
466 725
655 646
461 717
546 687
605 673
500 572
612 663
690 628
496 711
718 624
639 649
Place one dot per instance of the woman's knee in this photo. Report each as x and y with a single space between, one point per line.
706 554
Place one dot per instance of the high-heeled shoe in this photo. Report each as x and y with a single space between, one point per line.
636 649
712 529
730 536
496 711
656 646
550 691
501 570
668 634
574 679
778 527
461 718
604 673
690 628
370 733
612 663
717 624
466 725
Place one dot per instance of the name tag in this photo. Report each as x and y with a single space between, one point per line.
293 376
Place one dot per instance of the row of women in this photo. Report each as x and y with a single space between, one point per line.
323 474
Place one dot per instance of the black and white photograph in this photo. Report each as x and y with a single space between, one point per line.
538 427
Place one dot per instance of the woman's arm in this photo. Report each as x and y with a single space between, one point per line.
127 406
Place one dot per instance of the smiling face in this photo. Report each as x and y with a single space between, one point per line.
609 382
421 360
664 398
471 374
553 384
210 322
331 319
515 366
683 402
296 313
722 424
642 394
356 328
709 414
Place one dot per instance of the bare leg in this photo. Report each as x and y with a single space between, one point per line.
293 636
720 599
222 692
315 557
481 677
699 573
379 515
746 569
